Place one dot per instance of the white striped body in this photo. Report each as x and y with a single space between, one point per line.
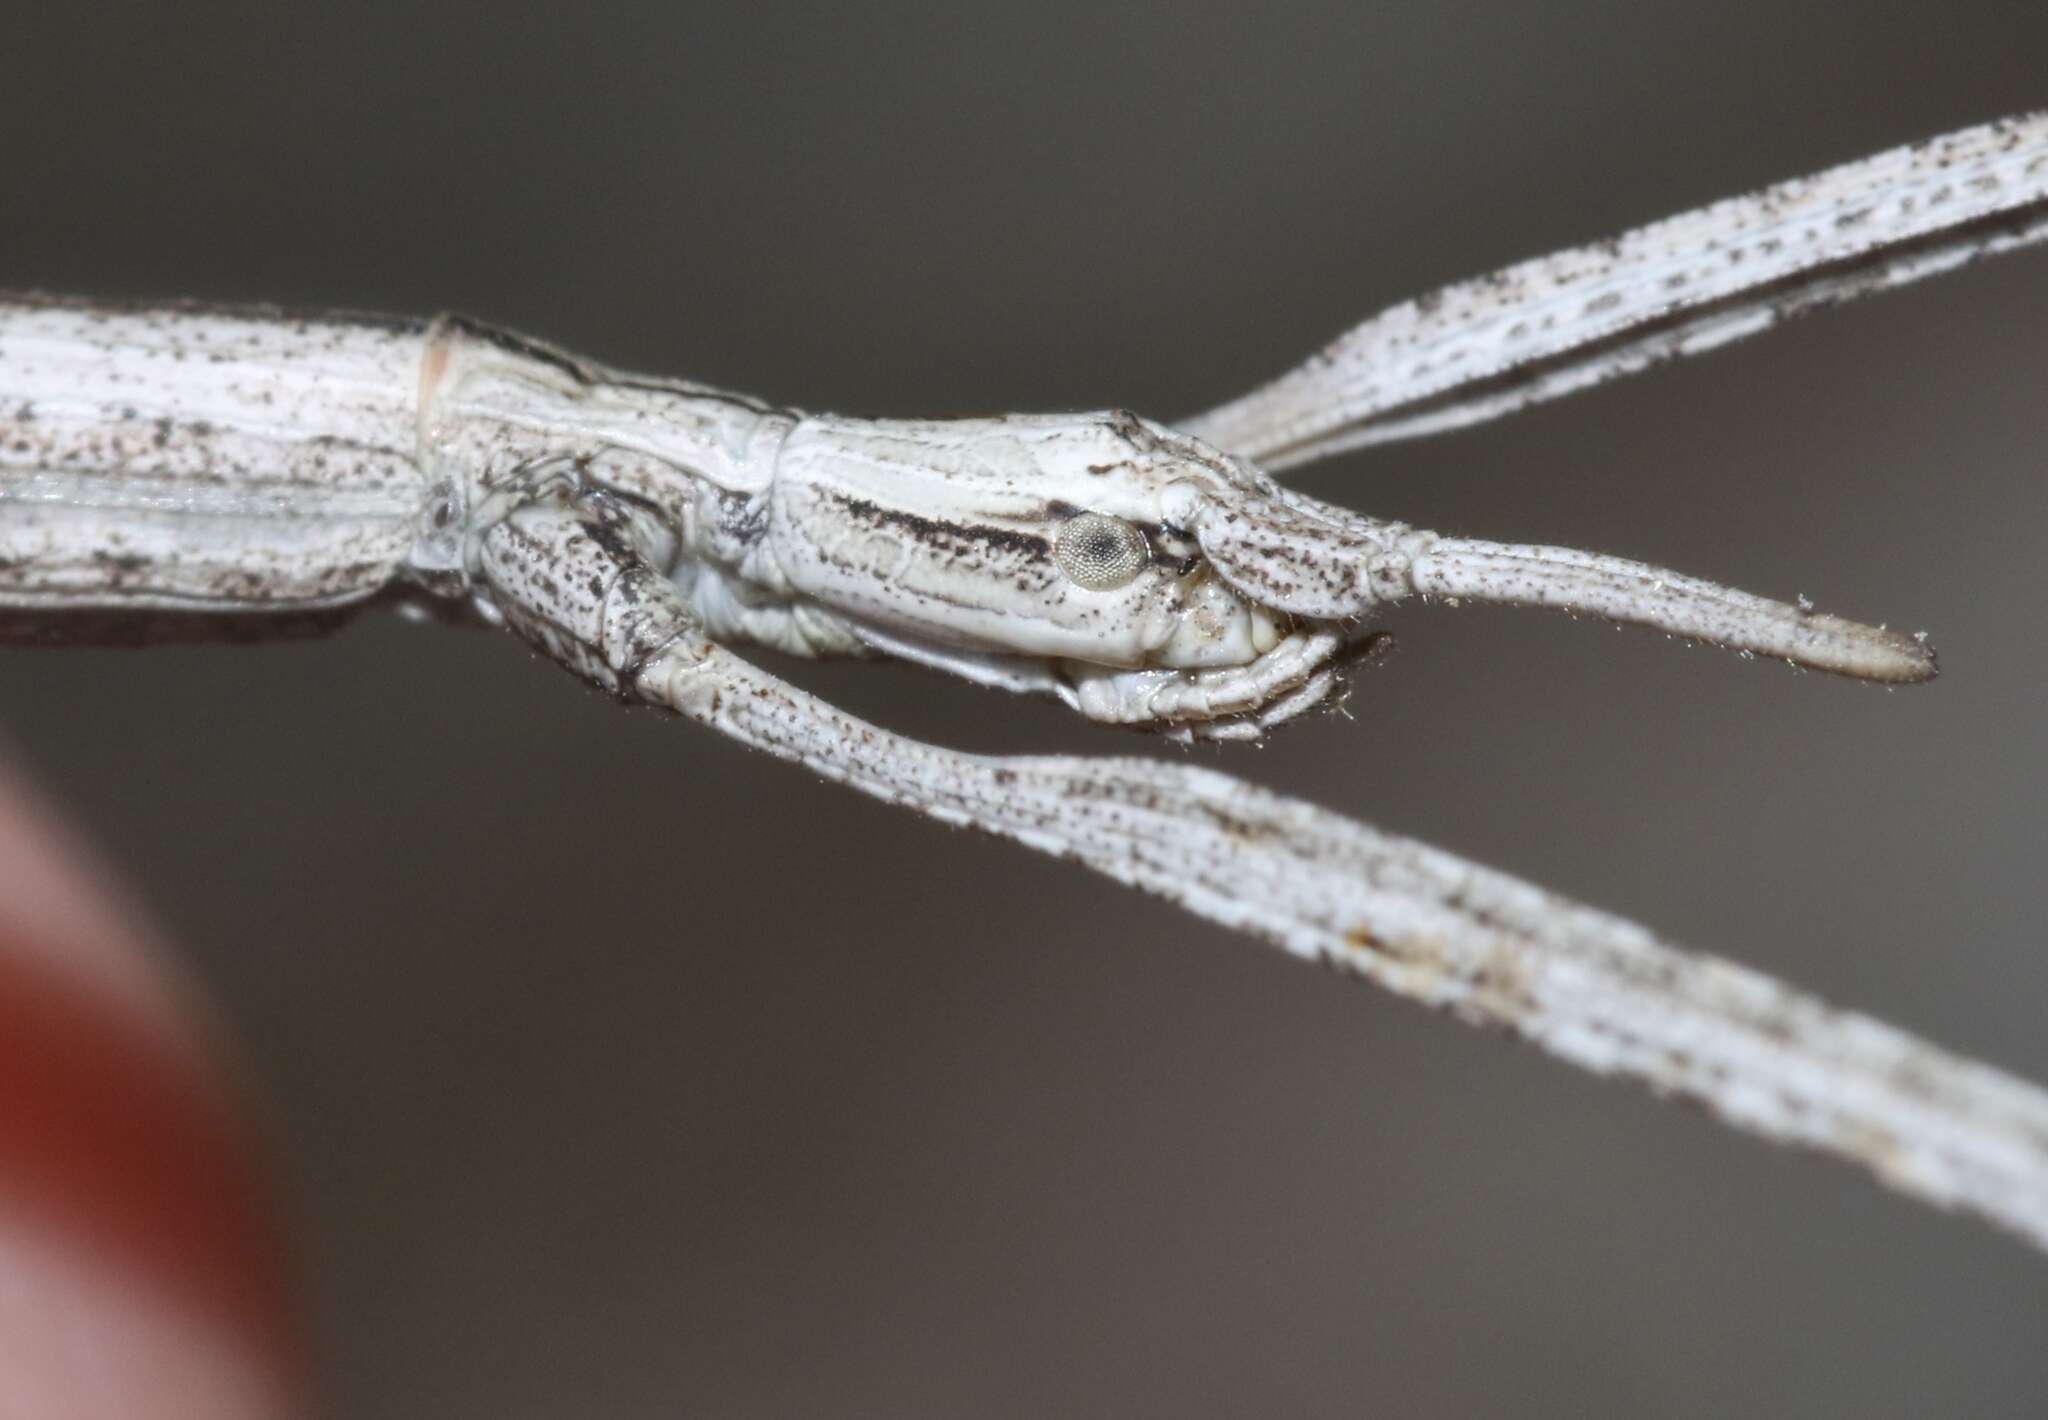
187 460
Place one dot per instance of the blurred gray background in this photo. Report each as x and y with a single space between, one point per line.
618 1072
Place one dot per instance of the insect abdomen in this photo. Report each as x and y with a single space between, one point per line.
199 460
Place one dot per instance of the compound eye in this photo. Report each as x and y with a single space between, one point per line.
1100 552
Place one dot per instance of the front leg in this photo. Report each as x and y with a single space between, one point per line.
1592 989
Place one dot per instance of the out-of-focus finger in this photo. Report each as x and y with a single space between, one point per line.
140 1266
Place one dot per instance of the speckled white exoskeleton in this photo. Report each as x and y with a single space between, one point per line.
189 470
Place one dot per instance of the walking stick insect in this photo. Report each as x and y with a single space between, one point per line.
188 470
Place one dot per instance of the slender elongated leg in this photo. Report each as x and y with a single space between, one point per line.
1544 328
1596 990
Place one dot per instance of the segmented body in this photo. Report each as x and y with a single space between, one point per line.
175 461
